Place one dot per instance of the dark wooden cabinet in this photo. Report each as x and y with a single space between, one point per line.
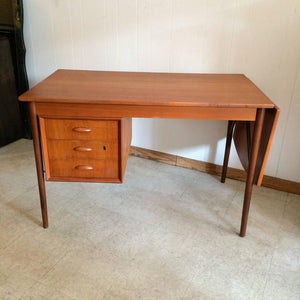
11 124
14 117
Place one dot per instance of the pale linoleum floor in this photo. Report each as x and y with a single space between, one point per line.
165 233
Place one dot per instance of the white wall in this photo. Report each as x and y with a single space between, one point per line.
259 38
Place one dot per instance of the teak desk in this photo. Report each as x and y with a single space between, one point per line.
81 121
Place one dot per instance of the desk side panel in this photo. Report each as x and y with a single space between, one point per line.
126 136
240 141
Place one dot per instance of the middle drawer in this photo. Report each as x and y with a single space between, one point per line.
80 149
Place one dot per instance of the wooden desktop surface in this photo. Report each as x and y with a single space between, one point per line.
143 88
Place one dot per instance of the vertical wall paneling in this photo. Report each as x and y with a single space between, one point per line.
112 39
62 33
266 48
77 32
127 37
30 61
258 38
289 163
96 32
43 49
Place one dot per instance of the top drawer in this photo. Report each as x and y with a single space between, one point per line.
106 130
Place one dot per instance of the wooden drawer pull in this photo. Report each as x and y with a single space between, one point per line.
82 149
81 129
84 167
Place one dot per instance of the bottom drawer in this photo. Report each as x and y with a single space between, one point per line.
107 169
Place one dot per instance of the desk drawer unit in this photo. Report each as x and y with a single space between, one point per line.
85 150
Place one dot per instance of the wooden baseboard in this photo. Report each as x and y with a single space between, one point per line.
175 160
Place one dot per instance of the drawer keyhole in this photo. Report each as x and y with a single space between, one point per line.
104 147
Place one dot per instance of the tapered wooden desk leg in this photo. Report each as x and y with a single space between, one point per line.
227 149
38 162
251 168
